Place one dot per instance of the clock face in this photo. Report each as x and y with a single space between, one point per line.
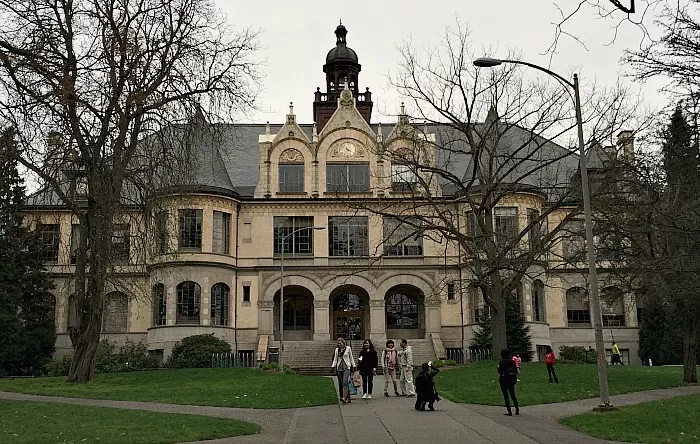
347 149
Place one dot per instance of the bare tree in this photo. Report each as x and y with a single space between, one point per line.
99 80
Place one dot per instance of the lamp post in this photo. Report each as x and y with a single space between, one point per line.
284 240
588 222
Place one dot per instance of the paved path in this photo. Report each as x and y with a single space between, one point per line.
391 420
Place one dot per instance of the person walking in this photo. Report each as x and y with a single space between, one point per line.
406 364
343 362
518 361
507 378
390 363
367 366
425 387
550 360
616 355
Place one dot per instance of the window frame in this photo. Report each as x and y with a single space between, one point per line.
186 217
121 243
221 233
220 303
398 239
52 233
194 304
393 316
301 243
293 171
578 317
356 230
348 182
159 305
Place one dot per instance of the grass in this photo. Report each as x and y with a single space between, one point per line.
673 420
24 422
478 383
238 387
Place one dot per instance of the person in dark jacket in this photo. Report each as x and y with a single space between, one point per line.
425 387
368 362
507 378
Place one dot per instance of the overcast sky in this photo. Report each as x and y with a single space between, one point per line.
295 37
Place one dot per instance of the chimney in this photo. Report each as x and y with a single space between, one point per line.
625 145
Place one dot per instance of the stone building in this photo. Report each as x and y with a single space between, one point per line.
254 196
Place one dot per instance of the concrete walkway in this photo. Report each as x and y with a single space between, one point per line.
391 420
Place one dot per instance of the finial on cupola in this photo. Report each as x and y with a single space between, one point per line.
291 118
291 108
314 133
403 110
267 127
380 136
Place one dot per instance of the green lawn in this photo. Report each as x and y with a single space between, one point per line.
478 383
24 422
239 387
673 420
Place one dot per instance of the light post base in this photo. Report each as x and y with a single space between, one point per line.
605 408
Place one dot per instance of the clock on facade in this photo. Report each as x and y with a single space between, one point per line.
347 149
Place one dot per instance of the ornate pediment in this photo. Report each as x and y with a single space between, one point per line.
291 155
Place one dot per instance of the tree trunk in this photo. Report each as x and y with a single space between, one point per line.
82 368
690 347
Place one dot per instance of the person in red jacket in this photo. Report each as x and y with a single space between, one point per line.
550 360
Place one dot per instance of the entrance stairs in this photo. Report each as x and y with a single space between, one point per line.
315 357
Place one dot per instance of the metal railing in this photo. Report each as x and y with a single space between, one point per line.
230 359
466 356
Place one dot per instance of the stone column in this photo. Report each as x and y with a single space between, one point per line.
265 317
170 303
377 321
321 320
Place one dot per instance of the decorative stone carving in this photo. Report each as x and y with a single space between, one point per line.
291 155
346 100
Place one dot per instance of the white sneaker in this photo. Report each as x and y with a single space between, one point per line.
369 396
364 396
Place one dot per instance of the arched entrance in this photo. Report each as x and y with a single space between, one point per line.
349 313
298 314
405 312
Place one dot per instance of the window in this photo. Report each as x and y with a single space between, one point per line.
538 302
402 311
74 243
607 247
246 293
188 297
347 177
296 244
577 307
219 304
402 178
641 307
190 229
402 238
159 307
291 178
161 233
297 312
72 312
451 291
475 222
48 238
347 236
505 221
120 243
612 307
222 233
115 313
480 310
534 234
573 241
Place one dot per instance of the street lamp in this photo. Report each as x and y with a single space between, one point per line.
486 62
284 240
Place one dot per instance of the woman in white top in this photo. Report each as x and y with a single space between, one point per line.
342 362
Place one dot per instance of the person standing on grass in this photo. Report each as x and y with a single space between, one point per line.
406 363
368 365
507 378
342 363
518 361
550 360
616 355
390 362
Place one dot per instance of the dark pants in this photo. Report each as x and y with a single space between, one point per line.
509 388
420 405
616 360
551 373
367 383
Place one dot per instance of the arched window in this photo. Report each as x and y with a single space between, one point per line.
159 306
539 313
115 313
291 171
402 311
297 312
348 302
612 307
219 304
188 297
577 307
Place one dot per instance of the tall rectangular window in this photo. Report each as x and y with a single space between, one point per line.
402 178
505 221
573 241
49 235
451 291
534 235
347 236
121 241
221 235
161 232
402 238
190 229
291 178
246 293
74 243
288 242
347 177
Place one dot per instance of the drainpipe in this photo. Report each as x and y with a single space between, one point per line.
461 299
235 286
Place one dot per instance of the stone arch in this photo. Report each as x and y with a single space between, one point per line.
115 314
273 287
298 319
349 312
406 279
405 310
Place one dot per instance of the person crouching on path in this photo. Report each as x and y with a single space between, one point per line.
425 387
507 378
550 360
342 363
390 362
368 365
406 363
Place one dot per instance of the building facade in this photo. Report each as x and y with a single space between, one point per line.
301 196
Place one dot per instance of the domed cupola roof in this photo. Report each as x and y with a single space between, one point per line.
341 52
